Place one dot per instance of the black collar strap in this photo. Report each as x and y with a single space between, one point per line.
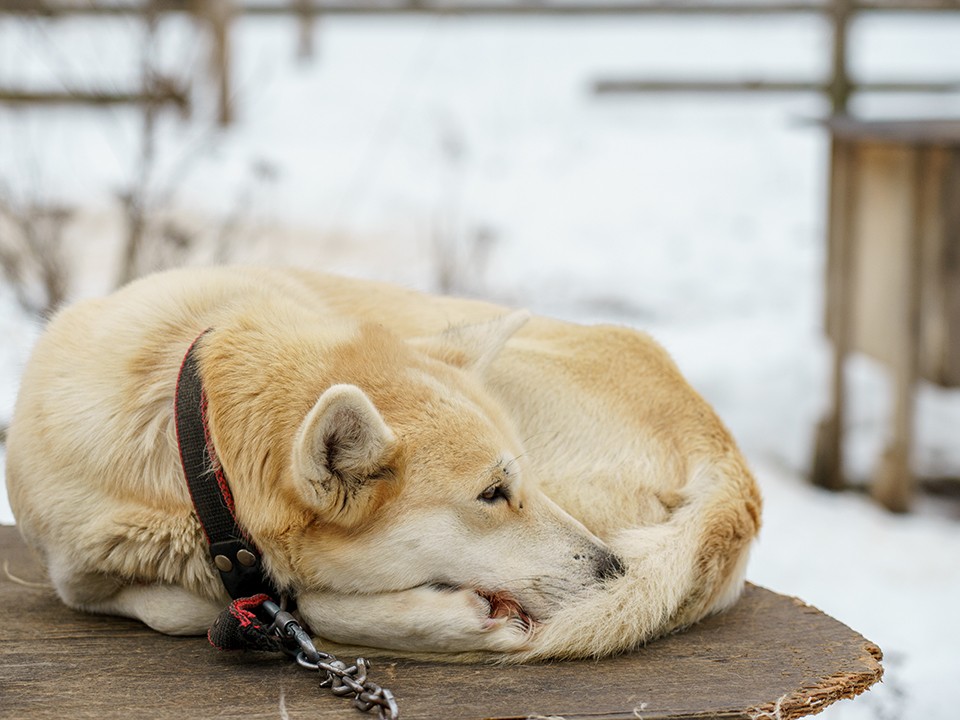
235 556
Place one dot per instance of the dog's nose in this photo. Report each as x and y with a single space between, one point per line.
609 566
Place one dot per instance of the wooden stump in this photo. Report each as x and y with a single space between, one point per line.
769 657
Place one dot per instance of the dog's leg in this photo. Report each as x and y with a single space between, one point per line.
422 619
169 609
165 607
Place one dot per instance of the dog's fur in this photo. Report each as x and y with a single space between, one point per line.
425 474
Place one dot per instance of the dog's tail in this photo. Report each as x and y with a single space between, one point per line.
677 572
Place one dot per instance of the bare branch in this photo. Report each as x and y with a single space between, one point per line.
32 254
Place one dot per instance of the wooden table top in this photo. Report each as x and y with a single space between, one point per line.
929 131
769 651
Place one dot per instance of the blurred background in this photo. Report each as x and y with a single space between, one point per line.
659 165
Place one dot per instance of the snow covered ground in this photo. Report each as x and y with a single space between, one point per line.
698 219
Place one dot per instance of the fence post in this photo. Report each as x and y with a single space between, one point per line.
840 86
305 34
218 16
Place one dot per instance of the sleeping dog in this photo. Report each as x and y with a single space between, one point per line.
423 474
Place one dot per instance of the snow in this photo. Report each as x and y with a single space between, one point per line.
699 219
892 578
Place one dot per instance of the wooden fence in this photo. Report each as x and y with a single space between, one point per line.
217 16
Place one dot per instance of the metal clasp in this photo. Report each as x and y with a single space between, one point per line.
286 626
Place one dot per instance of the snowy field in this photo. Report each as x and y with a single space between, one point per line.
700 220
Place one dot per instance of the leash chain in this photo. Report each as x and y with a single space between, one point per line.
352 680
342 679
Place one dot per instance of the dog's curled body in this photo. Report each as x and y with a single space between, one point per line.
401 460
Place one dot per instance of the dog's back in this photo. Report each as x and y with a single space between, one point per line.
618 438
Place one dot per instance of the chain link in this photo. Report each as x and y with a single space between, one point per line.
342 679
346 680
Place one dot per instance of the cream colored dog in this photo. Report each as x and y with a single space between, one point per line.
424 474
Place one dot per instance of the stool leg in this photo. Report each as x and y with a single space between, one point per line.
827 470
893 482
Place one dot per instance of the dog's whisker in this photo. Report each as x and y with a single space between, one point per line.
553 436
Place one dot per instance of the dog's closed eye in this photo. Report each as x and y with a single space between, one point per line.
494 493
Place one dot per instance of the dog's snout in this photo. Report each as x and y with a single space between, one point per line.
609 566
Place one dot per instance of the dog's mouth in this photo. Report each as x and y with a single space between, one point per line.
501 605
505 606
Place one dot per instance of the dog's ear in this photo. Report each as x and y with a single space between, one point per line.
342 446
475 346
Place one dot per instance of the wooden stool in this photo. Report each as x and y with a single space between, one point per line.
769 657
893 277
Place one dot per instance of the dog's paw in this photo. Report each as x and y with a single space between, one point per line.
422 619
473 620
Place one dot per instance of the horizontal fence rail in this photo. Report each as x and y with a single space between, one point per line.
217 15
614 86
520 7
94 98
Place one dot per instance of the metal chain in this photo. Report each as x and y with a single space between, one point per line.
335 674
352 680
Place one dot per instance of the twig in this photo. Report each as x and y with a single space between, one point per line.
20 581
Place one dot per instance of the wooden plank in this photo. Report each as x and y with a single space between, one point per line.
893 482
934 321
839 93
906 5
611 86
768 651
884 176
930 131
950 202
60 8
419 7
177 98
